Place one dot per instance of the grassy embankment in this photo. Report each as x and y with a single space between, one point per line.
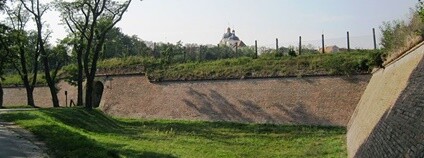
81 133
271 66
267 65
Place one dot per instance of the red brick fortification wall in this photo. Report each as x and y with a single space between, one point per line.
17 95
389 119
306 100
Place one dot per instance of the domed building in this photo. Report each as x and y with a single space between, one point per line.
231 40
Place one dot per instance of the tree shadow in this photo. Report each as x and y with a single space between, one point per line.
77 117
216 107
400 131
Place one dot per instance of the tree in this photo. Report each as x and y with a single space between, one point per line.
37 11
90 21
3 54
4 58
118 44
21 48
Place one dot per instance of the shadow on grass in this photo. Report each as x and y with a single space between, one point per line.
93 120
66 142
65 131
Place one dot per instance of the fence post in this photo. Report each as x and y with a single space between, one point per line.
375 41
256 48
323 49
276 45
185 52
154 50
348 42
300 45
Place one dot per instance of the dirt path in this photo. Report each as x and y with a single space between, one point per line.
17 142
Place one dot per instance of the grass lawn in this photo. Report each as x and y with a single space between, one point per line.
76 132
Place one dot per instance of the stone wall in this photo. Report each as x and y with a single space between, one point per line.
308 100
389 119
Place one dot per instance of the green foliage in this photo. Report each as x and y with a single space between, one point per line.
79 133
292 53
69 73
15 80
118 44
399 35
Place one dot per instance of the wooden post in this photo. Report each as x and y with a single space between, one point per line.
348 42
154 50
185 52
300 45
323 49
276 45
375 41
256 48
66 98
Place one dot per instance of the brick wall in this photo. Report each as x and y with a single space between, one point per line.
324 100
389 119
42 97
307 100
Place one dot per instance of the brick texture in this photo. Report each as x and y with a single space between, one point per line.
389 119
308 100
324 100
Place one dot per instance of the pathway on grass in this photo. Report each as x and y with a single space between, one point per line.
17 142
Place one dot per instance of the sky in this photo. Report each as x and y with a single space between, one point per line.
205 21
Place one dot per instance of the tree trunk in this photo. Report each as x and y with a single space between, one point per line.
30 96
89 92
24 76
1 95
80 79
50 82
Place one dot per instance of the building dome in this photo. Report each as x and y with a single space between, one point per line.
230 39
228 34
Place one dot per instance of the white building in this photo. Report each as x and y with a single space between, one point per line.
231 40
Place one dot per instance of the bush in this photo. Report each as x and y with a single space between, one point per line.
399 36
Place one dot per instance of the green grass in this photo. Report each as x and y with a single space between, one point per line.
16 106
80 133
271 66
15 79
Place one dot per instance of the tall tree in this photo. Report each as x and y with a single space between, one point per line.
3 54
4 58
76 15
16 43
91 20
37 11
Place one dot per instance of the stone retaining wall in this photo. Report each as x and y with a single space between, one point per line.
389 119
320 100
327 100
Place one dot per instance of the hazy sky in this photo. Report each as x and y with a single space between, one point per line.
204 21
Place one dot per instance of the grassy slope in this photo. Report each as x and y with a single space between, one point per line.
79 133
270 66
